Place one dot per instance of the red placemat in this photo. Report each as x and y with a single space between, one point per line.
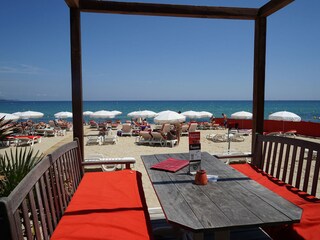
171 164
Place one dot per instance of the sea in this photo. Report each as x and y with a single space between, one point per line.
307 110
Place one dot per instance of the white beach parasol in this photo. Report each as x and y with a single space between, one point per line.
192 114
8 116
241 115
102 114
205 114
142 114
29 114
116 112
63 115
87 113
169 117
285 116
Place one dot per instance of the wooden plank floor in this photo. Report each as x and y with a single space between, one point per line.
163 231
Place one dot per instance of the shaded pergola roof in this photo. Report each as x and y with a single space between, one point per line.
259 15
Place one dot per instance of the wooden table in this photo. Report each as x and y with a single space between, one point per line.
234 201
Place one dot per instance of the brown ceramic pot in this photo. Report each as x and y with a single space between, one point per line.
201 177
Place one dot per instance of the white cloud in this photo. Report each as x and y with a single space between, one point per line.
20 69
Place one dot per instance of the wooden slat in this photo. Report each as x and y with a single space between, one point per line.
54 186
280 160
293 166
316 175
274 159
51 200
17 218
34 214
58 193
307 171
46 202
60 183
71 172
286 163
26 219
171 10
300 165
41 212
272 6
268 160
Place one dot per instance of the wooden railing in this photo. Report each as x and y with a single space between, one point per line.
36 205
293 161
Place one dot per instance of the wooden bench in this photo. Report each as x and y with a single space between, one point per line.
289 167
57 200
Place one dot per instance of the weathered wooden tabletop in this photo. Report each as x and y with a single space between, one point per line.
232 202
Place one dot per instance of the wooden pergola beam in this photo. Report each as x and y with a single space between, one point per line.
72 3
272 6
151 9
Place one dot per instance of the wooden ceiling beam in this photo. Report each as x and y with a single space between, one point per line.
72 3
152 9
272 6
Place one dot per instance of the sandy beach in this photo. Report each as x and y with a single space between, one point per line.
126 147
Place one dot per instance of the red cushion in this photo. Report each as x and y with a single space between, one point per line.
107 205
309 226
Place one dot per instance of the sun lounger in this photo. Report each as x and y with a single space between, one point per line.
237 138
24 141
126 129
184 130
158 138
93 140
291 133
144 138
109 139
279 133
192 127
110 167
219 138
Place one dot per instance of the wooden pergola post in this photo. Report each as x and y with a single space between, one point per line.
76 75
259 75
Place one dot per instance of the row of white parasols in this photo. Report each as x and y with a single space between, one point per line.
161 117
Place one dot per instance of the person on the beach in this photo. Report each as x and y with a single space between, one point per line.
178 131
225 120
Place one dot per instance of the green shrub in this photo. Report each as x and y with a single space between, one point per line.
15 166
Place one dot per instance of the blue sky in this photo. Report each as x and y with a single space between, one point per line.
157 58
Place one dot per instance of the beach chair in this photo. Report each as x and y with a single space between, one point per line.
126 129
193 127
291 133
21 141
165 128
93 140
279 133
110 138
219 138
236 137
184 130
144 138
158 138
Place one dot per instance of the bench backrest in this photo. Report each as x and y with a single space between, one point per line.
293 161
36 205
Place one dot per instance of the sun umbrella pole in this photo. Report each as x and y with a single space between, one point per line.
228 140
